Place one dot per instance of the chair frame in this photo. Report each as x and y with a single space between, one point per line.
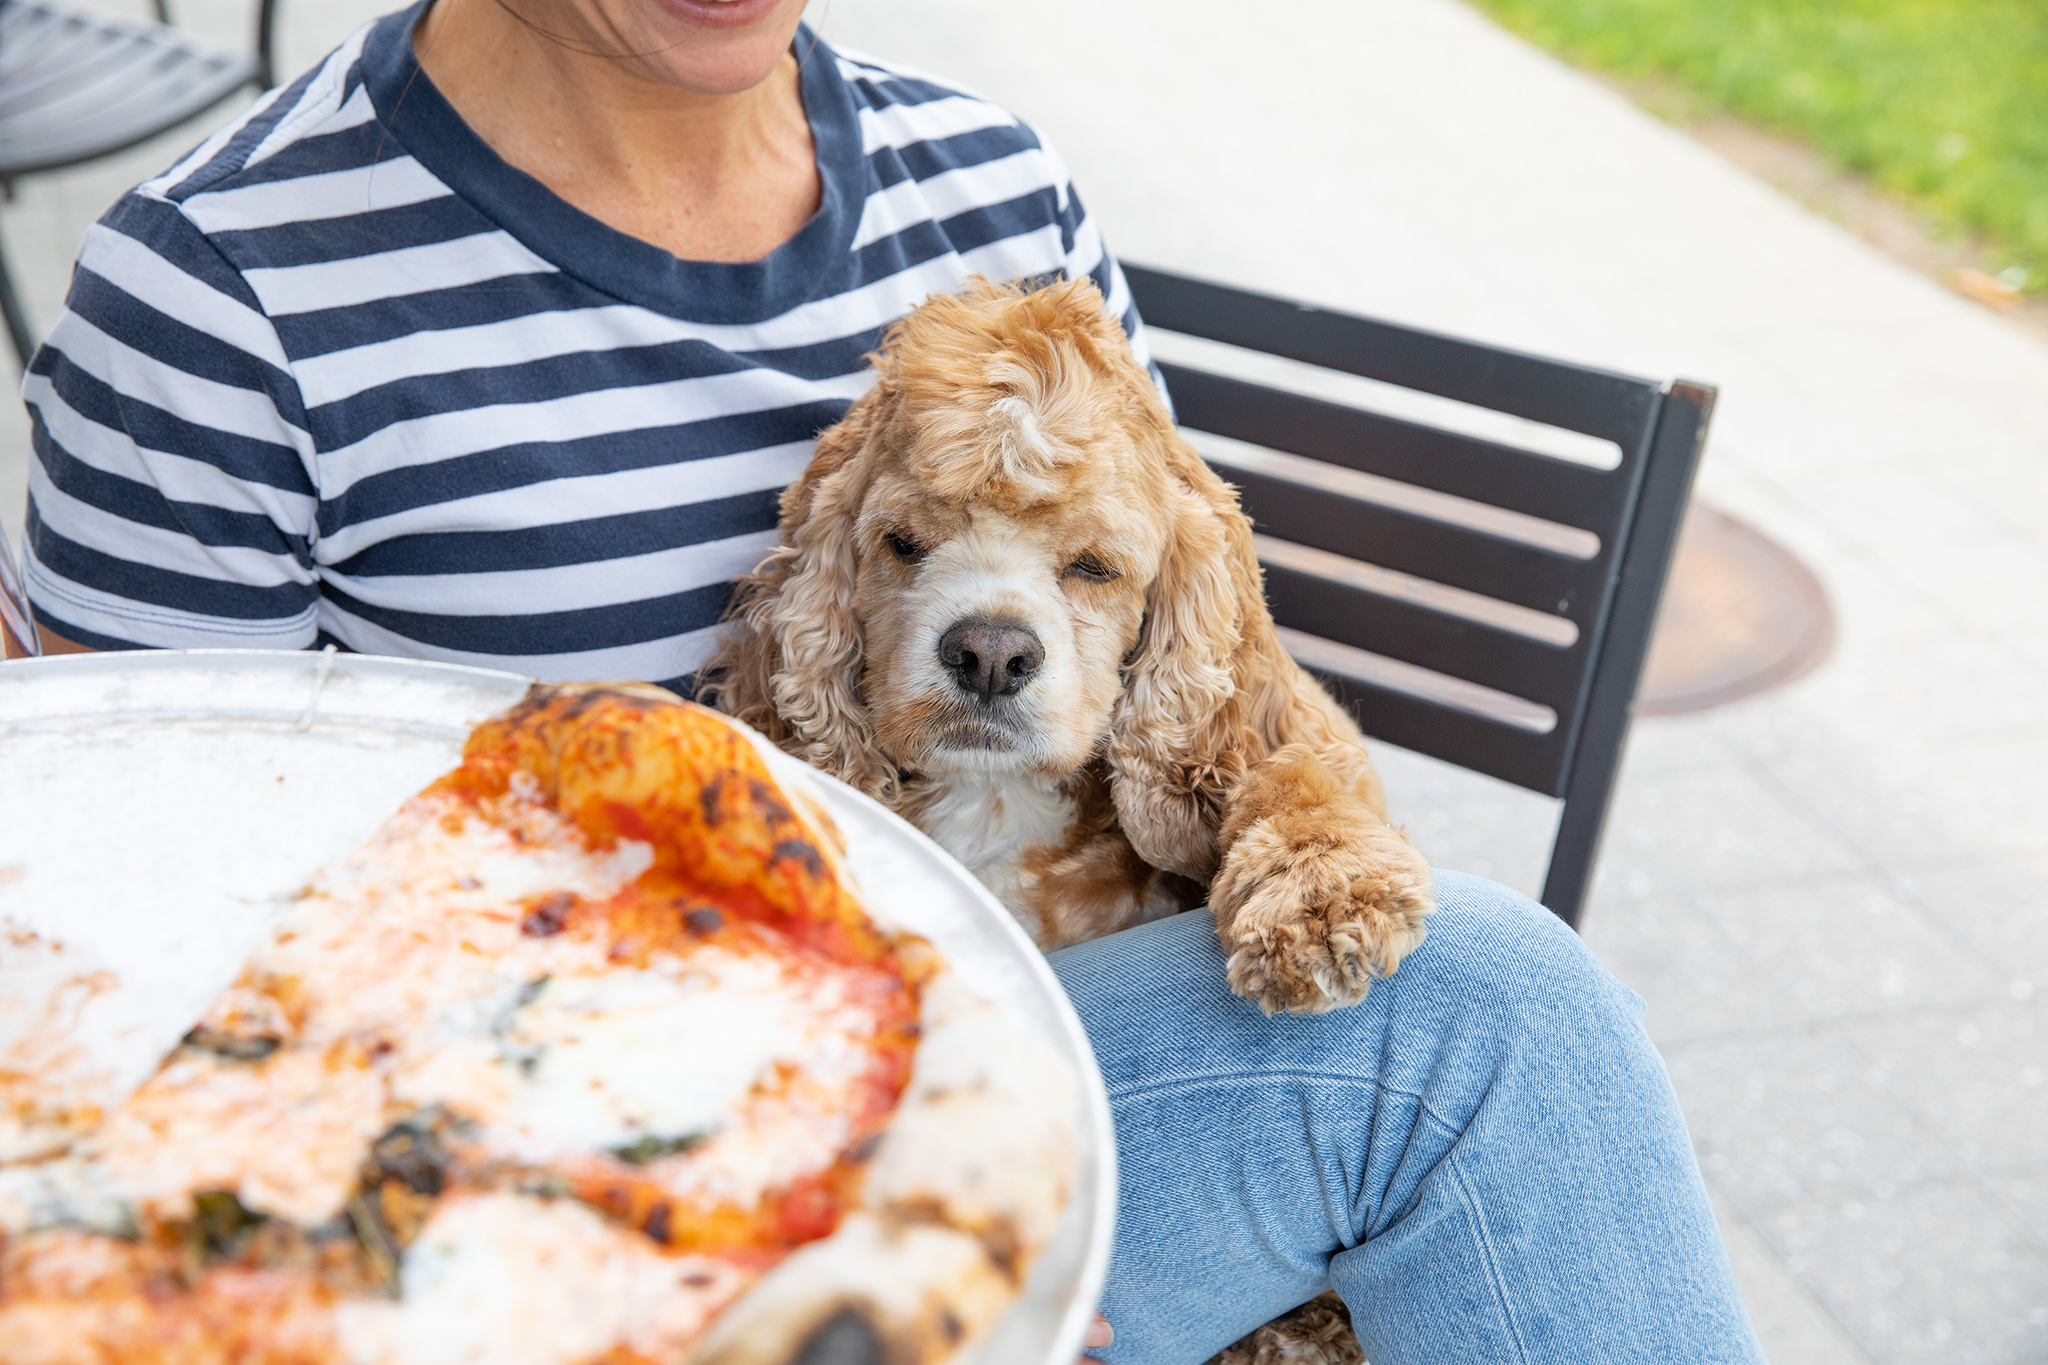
261 73
266 29
1612 598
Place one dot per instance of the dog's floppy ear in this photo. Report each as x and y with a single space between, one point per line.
791 662
1208 692
1176 745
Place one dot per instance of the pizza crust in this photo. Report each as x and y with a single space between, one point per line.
962 1196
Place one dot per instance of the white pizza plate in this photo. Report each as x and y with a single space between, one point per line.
155 807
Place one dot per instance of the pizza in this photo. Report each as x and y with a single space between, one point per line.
591 1056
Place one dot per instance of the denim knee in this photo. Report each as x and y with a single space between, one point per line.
1491 946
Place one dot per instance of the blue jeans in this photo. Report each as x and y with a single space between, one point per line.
1484 1158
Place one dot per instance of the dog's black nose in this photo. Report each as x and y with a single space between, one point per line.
990 658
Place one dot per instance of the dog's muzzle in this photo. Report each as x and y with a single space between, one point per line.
990 658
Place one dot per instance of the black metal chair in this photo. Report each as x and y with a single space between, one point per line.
1468 599
76 86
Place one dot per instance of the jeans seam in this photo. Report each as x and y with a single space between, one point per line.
1210 1077
1422 1105
1470 1198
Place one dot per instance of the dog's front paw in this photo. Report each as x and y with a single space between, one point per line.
1312 905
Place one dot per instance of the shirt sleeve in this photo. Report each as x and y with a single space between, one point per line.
172 501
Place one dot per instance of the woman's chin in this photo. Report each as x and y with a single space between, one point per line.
713 47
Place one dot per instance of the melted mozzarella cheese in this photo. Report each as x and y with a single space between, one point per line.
66 1191
507 1279
595 1062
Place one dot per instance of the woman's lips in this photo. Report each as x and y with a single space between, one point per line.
721 13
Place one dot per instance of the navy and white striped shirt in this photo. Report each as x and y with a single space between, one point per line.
342 374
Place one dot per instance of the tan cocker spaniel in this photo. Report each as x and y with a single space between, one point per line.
1013 604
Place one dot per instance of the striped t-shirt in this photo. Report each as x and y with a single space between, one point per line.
343 375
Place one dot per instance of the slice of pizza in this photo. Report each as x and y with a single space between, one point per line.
590 1057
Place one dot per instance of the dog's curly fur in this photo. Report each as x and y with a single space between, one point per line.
1317 1333
1014 462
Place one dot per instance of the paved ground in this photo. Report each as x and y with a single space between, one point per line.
1835 898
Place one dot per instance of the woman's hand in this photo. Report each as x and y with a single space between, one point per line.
1099 1334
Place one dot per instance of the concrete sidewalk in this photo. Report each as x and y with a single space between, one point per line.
1834 897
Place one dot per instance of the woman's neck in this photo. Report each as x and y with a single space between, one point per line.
709 177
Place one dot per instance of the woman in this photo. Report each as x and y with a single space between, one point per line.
493 339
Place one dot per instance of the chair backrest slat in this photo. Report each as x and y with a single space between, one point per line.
1473 650
1391 447
1483 603
1470 741
1598 403
1460 556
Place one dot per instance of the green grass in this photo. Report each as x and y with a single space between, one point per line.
1942 102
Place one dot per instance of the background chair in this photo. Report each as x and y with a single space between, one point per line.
76 86
1471 599
17 623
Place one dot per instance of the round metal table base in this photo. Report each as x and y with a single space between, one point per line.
1740 616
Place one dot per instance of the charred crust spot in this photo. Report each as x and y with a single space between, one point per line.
657 1224
548 915
864 1150
602 696
707 799
537 695
799 851
951 1327
845 1338
704 920
999 1238
1005 1249
769 801
582 699
697 1279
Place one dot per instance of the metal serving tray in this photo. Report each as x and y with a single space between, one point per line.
163 801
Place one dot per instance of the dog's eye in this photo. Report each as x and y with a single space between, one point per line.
903 547
1091 568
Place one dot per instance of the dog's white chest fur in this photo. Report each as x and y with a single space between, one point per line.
988 820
